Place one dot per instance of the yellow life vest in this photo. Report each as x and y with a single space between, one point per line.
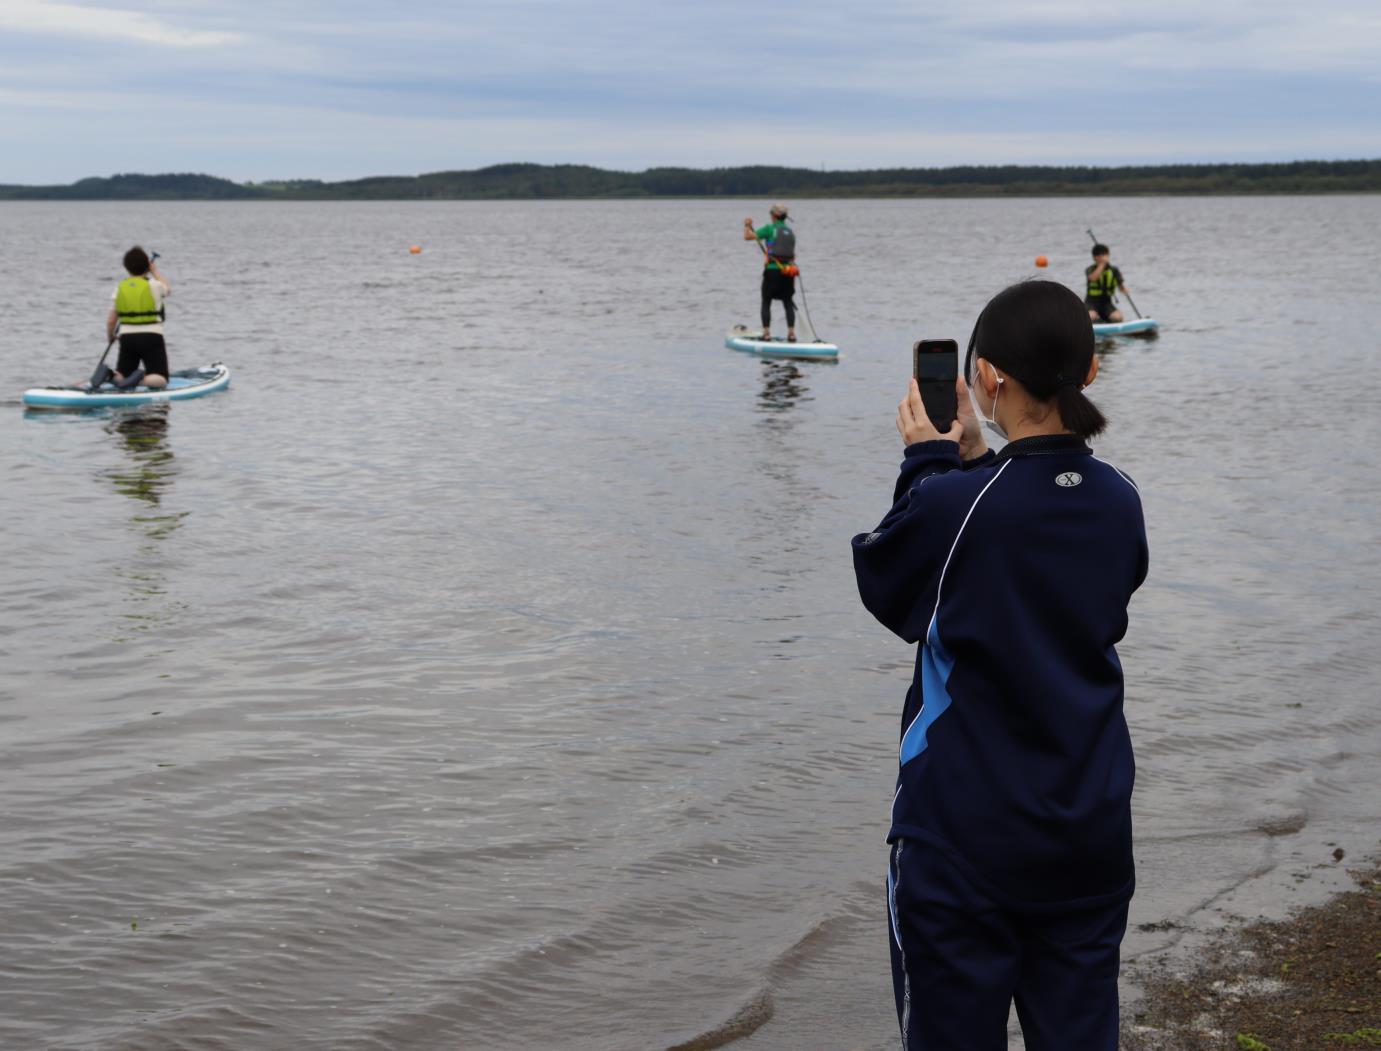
135 305
1106 284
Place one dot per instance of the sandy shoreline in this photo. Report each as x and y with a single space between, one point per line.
1310 981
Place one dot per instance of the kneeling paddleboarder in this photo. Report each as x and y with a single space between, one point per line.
138 312
1103 279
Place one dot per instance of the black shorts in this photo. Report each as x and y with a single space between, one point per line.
777 285
147 348
1103 306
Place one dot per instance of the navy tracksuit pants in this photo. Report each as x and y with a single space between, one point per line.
959 959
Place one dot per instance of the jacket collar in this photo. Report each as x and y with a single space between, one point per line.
1044 445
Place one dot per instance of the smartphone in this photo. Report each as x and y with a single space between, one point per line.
935 364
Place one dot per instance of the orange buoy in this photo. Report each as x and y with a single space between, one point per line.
1042 261
416 249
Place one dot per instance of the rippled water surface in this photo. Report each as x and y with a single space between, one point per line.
484 669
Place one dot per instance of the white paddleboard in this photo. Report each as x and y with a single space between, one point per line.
189 383
750 341
1136 326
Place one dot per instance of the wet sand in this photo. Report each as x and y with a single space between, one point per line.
1312 981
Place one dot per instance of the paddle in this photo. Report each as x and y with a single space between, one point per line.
103 372
1124 291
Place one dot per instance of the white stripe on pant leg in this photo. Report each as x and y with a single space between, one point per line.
892 899
892 882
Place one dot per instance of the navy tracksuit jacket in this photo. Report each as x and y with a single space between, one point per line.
1011 864
1014 573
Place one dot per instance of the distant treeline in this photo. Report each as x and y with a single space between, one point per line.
517 181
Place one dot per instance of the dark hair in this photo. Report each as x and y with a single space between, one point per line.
1039 332
1100 249
137 261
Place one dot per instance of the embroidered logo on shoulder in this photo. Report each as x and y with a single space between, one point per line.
1069 479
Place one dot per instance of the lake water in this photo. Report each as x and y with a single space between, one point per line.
484 669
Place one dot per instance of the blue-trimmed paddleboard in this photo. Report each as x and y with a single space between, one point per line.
189 383
750 341
1125 328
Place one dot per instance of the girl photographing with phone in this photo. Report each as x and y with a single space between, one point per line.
1011 867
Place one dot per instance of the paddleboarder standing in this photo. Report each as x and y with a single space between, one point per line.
137 309
778 242
1103 280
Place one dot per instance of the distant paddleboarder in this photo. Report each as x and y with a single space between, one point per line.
1103 280
138 311
778 242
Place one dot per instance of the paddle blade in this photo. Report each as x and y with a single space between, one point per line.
102 374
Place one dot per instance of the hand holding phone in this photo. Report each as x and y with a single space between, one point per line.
935 364
913 422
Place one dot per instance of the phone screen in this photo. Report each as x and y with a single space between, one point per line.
935 364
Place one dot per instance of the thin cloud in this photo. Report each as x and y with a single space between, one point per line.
344 88
79 101
45 17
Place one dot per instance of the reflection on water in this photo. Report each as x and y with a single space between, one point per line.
782 386
143 434
783 499
1108 347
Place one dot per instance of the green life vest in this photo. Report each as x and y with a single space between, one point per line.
1106 284
135 305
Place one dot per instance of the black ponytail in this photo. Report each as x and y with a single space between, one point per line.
1039 332
1078 413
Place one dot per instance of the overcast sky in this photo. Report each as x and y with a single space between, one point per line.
250 89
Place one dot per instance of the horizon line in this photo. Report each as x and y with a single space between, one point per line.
821 170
